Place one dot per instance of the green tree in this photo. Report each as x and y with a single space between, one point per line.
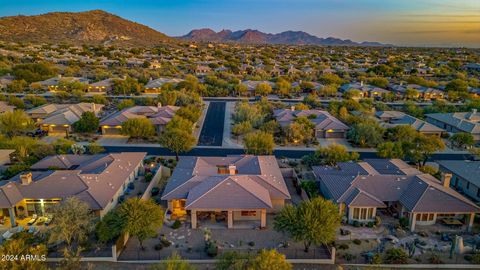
411 93
167 98
142 218
73 223
263 89
15 123
17 86
62 146
232 260
126 86
422 147
190 112
312 222
17 102
88 123
126 103
328 90
457 85
334 153
366 134
401 133
259 143
174 262
390 150
110 227
177 140
138 128
35 100
283 87
34 72
242 128
180 123
270 259
462 139
330 79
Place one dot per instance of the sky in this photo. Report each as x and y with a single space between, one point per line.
448 23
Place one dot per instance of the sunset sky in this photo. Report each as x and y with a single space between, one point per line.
400 22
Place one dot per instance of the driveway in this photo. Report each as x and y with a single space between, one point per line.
212 130
112 140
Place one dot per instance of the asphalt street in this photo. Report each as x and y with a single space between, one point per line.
212 130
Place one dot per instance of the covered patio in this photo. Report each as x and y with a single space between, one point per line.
229 218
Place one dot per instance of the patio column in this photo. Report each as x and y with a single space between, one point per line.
413 220
471 218
11 213
263 218
230 219
193 216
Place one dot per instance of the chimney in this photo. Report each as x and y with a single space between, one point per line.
26 178
292 108
232 169
445 179
159 104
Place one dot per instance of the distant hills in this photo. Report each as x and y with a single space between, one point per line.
90 27
250 36
100 27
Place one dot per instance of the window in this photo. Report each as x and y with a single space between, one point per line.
425 217
248 213
364 213
355 213
370 213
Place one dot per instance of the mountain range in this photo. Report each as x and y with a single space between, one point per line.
250 36
100 27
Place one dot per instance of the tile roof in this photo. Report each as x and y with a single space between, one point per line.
322 121
464 121
157 115
94 179
65 114
466 169
390 181
256 182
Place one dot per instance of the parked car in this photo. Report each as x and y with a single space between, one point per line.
37 133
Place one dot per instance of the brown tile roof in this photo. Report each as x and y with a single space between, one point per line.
257 181
94 179
323 120
390 181
157 115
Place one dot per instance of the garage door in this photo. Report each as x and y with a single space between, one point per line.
112 131
334 134
58 129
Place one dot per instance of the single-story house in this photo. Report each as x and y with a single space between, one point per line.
158 115
233 188
154 86
59 118
52 84
326 126
395 118
465 176
468 122
366 90
361 189
99 180
426 93
101 87
252 85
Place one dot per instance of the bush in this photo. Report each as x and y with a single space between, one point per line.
165 242
377 259
474 258
357 241
158 246
155 191
148 177
377 221
211 249
251 243
403 222
343 246
356 223
349 257
396 256
176 224
435 259
370 224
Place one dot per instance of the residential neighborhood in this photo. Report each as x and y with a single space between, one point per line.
122 147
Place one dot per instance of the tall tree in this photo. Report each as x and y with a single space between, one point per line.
177 140
88 123
334 153
14 123
73 223
138 128
142 218
312 222
167 98
259 143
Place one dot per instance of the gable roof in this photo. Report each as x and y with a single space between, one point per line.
95 179
65 114
465 121
322 121
258 179
390 181
157 115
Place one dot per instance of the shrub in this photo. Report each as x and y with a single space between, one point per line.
349 257
356 223
403 222
377 221
148 177
435 259
176 224
165 242
357 241
475 258
396 256
343 246
377 259
211 249
370 224
251 243
158 246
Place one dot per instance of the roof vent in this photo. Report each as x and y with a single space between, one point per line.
26 178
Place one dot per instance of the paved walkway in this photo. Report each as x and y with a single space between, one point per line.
227 127
199 125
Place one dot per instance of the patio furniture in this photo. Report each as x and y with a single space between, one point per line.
32 220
